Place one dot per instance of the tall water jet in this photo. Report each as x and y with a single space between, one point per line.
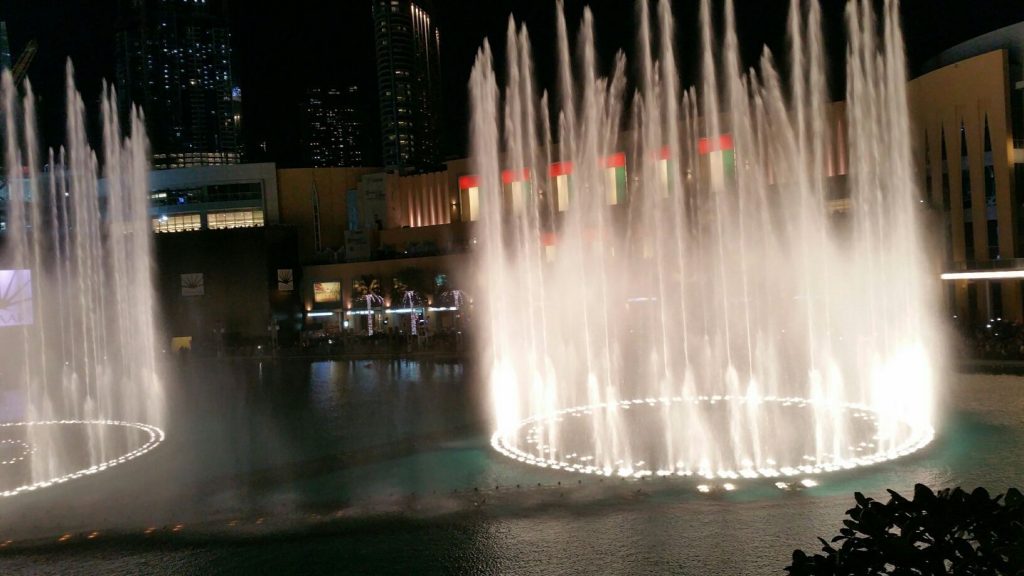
734 285
78 348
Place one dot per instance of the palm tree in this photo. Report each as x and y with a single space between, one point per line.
366 288
448 295
409 287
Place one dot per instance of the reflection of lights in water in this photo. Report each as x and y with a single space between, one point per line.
703 488
729 487
155 437
505 440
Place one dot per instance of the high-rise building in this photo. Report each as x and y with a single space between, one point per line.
408 46
5 47
174 59
333 127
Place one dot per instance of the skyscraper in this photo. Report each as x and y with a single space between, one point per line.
174 59
5 47
408 46
333 127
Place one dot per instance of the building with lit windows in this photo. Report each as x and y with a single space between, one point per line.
223 255
5 47
408 51
174 59
967 107
214 198
333 127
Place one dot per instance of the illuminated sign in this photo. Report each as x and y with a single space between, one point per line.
326 292
193 284
285 280
15 297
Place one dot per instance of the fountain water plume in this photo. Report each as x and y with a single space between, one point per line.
697 295
79 350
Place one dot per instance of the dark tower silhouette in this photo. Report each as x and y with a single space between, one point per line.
408 46
174 59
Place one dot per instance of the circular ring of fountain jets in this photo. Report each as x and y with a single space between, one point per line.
150 436
872 438
25 451
76 295
733 286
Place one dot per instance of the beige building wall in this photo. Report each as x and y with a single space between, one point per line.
295 196
425 199
419 200
965 94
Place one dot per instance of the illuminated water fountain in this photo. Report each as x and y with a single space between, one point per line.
725 281
78 368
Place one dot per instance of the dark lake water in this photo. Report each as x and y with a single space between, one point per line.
384 467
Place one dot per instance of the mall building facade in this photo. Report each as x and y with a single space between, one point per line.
327 237
968 116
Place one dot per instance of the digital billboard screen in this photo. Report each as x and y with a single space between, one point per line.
15 297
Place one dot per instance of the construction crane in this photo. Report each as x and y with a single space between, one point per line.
21 66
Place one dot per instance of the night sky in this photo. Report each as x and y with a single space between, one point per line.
281 48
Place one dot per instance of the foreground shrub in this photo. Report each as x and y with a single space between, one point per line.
951 532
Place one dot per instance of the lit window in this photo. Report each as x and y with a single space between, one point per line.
177 223
235 219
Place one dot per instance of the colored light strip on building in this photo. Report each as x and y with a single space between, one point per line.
510 176
402 310
617 160
319 314
992 275
706 146
560 169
